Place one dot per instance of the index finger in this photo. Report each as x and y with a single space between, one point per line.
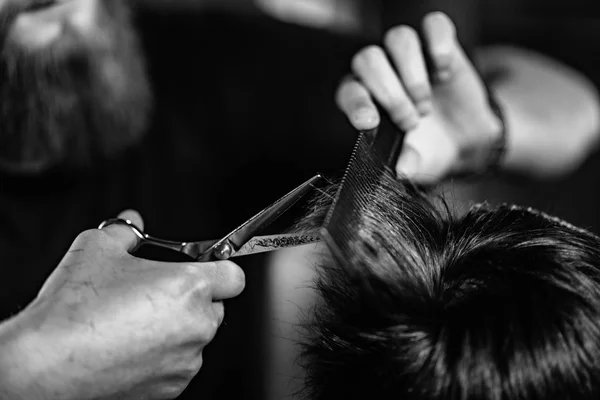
225 278
355 101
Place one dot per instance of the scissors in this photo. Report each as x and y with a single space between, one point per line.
242 240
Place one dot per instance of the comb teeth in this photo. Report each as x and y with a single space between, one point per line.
348 175
343 219
374 153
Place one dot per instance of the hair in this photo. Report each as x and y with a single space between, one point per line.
499 303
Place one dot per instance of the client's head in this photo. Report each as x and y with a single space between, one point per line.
497 304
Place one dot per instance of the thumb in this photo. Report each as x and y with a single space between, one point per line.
408 162
427 154
128 235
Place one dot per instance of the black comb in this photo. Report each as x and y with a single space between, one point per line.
373 157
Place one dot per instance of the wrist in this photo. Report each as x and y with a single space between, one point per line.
28 359
17 377
488 141
500 135
523 142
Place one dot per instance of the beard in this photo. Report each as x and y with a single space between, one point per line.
75 102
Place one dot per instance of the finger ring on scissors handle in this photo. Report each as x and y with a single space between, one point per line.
121 221
190 249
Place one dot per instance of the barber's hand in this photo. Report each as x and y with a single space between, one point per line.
450 125
110 325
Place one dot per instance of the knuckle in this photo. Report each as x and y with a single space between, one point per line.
171 390
441 52
418 90
201 289
91 235
194 280
207 330
405 117
400 106
402 37
195 366
191 369
367 57
94 237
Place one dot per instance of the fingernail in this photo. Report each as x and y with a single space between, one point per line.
365 118
408 163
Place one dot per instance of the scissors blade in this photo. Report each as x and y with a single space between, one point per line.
243 233
261 244
264 218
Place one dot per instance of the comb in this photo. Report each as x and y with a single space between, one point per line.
373 157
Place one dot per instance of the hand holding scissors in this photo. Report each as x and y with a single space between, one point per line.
141 323
108 324
242 240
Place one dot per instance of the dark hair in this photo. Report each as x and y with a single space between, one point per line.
499 303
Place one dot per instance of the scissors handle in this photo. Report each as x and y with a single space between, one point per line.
192 249
196 250
166 244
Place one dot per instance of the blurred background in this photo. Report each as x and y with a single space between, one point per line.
251 84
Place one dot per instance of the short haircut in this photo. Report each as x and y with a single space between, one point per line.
500 303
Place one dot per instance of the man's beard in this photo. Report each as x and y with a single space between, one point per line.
76 101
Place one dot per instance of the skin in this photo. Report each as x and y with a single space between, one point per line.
552 113
108 325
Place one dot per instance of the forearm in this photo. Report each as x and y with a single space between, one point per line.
552 112
22 359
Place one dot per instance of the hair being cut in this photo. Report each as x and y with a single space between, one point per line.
501 303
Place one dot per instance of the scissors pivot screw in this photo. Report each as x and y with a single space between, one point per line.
223 251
